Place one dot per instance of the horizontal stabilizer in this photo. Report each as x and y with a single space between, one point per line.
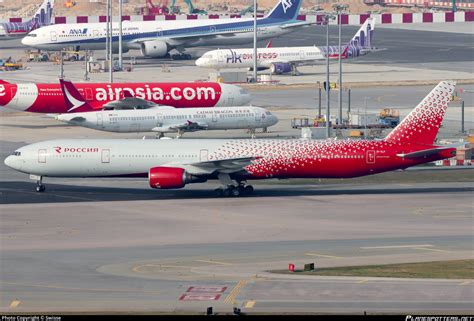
444 151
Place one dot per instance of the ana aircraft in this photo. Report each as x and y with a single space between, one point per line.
48 98
157 38
170 164
286 59
164 119
42 17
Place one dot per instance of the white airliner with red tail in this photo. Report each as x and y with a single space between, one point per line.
161 119
170 164
285 59
49 99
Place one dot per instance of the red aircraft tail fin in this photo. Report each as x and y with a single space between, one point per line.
75 102
3 82
422 124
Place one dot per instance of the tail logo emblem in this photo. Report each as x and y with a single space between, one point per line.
287 4
75 102
2 90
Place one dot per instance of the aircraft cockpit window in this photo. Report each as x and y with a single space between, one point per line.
32 35
16 154
268 113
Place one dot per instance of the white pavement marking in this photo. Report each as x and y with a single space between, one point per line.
396 246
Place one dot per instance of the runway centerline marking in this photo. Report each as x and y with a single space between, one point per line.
323 255
214 262
428 249
235 291
14 304
249 304
396 246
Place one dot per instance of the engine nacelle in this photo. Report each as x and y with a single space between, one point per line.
171 177
154 48
281 68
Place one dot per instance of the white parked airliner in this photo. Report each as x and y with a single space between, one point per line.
286 59
130 118
157 38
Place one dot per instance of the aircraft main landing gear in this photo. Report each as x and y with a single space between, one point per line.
235 191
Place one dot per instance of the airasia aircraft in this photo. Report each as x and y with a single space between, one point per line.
48 98
174 163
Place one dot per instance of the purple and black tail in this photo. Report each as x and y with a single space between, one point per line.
42 16
363 40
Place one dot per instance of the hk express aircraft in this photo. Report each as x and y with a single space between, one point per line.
286 59
42 17
163 119
48 98
173 163
157 38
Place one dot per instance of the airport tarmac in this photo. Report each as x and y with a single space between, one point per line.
109 245
408 55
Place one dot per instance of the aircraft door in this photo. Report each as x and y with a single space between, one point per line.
42 156
370 157
302 54
258 117
220 56
159 119
105 156
54 36
100 119
214 117
204 155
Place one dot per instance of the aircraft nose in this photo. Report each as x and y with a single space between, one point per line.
200 62
10 162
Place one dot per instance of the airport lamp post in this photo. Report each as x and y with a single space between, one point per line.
107 31
120 34
340 8
366 118
111 65
327 17
254 41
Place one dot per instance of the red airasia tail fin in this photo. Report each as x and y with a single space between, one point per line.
75 102
422 124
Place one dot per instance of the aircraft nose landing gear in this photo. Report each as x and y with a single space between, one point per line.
40 188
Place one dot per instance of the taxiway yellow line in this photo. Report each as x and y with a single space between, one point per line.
235 291
249 304
14 304
214 262
323 255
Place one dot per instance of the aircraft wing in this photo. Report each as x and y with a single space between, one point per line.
187 126
226 166
298 24
129 103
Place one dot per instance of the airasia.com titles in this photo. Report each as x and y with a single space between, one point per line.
156 93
